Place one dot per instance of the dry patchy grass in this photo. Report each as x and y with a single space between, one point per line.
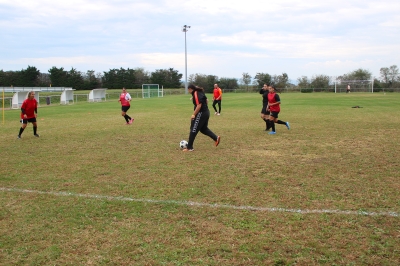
333 158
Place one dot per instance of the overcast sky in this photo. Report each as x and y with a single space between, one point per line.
226 38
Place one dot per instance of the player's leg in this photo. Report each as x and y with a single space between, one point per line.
272 118
283 123
34 123
213 105
194 129
124 109
203 126
265 117
23 126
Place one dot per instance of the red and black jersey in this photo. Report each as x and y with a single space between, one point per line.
29 107
124 97
274 98
199 97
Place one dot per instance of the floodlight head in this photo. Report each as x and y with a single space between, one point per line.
185 28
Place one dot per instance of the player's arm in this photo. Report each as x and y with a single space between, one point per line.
196 111
220 95
23 111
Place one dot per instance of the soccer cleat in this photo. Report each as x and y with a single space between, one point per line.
37 135
217 141
188 150
215 113
19 137
131 121
287 125
272 133
218 114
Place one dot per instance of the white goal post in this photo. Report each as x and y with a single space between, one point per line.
152 90
355 85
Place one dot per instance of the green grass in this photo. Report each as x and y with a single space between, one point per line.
93 191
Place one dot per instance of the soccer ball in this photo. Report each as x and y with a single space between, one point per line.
183 144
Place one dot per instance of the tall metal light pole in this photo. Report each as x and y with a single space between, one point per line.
185 28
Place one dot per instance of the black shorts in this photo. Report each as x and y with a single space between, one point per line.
264 110
125 108
274 114
30 120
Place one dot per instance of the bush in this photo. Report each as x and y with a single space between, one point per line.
306 90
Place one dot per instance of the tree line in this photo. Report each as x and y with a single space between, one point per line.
171 78
389 78
112 79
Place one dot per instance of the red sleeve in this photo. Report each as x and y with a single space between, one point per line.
196 98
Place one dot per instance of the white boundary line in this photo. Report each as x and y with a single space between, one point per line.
199 204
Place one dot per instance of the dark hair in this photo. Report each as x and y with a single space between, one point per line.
195 88
274 87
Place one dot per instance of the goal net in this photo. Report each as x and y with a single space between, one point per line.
354 85
152 90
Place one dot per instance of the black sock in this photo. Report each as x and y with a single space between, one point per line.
21 130
34 130
273 126
269 124
126 118
281 122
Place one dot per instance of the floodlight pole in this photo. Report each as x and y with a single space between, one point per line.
185 28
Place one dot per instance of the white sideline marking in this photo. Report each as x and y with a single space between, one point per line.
199 204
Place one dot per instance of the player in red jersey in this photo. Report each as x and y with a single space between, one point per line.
265 111
29 114
217 98
125 99
200 117
274 103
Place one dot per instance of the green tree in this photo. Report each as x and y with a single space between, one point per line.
263 78
119 78
205 81
24 78
29 77
320 82
356 75
8 78
74 80
246 79
58 77
393 74
168 78
280 81
228 83
384 71
90 80
141 77
303 82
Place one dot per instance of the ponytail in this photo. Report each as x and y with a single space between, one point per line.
195 88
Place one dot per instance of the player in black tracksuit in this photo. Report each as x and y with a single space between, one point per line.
200 117
265 111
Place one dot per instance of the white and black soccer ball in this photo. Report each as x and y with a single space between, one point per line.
183 144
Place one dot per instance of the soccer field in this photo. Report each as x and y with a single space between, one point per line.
94 191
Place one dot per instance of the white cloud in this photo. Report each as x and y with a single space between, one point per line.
227 38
